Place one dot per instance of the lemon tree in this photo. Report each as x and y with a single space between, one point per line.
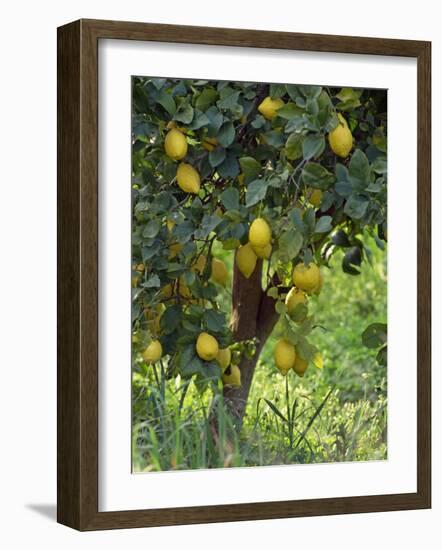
279 176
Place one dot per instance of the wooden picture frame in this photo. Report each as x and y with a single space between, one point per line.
78 274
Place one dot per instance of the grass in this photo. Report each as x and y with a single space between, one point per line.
335 414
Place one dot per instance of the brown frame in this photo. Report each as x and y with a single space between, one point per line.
77 462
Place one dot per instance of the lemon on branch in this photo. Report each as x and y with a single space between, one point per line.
306 277
318 287
263 252
246 260
174 249
300 365
219 271
294 298
188 178
268 107
207 347
153 352
314 197
224 356
341 139
200 263
232 377
260 233
284 355
175 144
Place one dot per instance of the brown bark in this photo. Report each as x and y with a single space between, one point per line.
253 315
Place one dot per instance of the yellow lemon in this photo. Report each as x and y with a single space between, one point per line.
246 260
219 271
170 224
175 144
166 292
241 178
174 249
135 280
318 360
294 298
284 355
224 356
260 233
232 377
268 107
314 197
200 263
341 139
306 277
207 346
263 252
153 352
188 178
184 290
300 365
209 143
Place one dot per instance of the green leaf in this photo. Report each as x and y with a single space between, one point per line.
290 111
356 206
170 319
152 282
374 335
208 224
184 114
313 146
290 243
256 191
217 156
166 101
352 257
359 168
316 176
229 168
340 239
230 198
214 320
226 134
206 98
228 98
323 225
293 146
250 167
151 229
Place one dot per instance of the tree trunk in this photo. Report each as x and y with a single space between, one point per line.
253 315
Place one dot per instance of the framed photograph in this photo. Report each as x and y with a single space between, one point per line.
241 217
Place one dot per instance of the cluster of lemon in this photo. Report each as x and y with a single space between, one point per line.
307 280
258 246
187 177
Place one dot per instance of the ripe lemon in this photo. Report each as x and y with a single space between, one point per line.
284 355
153 352
269 106
188 178
219 271
207 346
318 360
246 260
294 298
318 288
166 292
260 233
200 263
135 280
174 249
341 139
307 277
314 197
224 357
209 143
263 252
170 224
300 365
184 290
232 377
175 144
